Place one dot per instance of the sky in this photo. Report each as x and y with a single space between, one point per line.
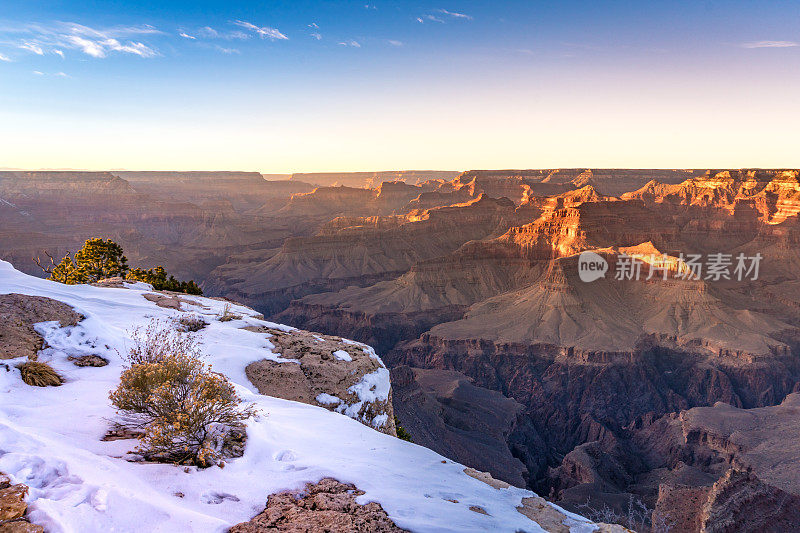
312 86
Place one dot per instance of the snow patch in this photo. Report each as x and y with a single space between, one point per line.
341 355
327 399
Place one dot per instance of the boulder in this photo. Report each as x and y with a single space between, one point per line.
326 371
327 506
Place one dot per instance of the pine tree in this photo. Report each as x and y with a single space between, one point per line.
157 277
100 259
66 272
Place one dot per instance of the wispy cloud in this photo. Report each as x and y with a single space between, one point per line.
208 32
38 73
187 36
438 18
351 43
5 58
264 32
317 36
313 26
101 48
228 51
32 47
395 43
769 44
54 38
370 6
87 46
453 14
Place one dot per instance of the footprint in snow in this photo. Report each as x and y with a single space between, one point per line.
215 498
285 455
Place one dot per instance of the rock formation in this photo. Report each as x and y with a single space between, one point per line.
325 506
326 371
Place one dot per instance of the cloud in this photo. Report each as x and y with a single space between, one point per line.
100 48
454 15
32 47
440 20
317 36
136 48
55 37
313 26
61 75
395 43
370 6
208 32
5 58
265 32
351 43
38 73
88 47
187 36
228 51
770 44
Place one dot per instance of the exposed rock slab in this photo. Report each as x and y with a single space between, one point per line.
13 508
324 372
327 506
18 338
538 510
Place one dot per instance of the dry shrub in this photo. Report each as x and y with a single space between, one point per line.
187 412
39 374
227 314
192 323
155 342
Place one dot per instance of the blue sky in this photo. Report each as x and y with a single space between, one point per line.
313 86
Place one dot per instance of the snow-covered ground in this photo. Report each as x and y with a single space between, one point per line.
50 438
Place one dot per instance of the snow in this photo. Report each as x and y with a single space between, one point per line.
328 399
341 355
50 438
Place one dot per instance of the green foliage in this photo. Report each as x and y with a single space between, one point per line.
401 432
99 259
157 277
187 410
66 272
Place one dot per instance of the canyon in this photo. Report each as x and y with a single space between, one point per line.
679 392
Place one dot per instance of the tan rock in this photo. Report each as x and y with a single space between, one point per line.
20 526
88 360
20 313
12 502
550 519
327 506
327 365
487 478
